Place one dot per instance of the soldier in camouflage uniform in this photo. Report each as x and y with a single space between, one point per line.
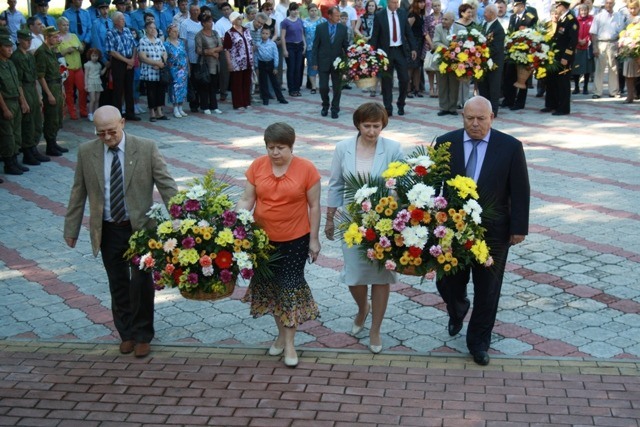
31 121
12 105
48 70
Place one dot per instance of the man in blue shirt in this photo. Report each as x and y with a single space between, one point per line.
121 6
79 21
137 16
94 13
42 6
15 19
160 18
100 27
171 9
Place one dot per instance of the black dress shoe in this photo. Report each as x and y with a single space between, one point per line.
481 357
389 113
334 115
515 108
442 113
61 149
453 113
539 95
454 327
559 113
132 118
283 101
595 97
401 111
324 112
546 110
505 105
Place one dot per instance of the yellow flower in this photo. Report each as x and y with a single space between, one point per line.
454 261
462 56
404 260
186 225
379 208
466 186
152 244
480 251
393 204
447 256
225 237
441 259
198 240
384 201
206 235
417 261
446 267
396 169
388 212
379 255
165 228
385 227
246 244
451 212
352 235
442 68
188 256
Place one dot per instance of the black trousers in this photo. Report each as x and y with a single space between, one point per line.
398 62
513 97
266 75
323 86
156 92
192 89
131 289
558 95
206 93
489 87
487 284
122 86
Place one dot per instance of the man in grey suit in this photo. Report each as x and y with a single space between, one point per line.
490 85
117 173
496 162
392 34
331 41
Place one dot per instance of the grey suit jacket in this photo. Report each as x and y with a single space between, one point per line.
344 163
440 36
324 52
144 167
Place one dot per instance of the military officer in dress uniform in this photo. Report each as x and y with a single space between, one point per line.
48 71
32 120
42 6
565 38
523 17
12 105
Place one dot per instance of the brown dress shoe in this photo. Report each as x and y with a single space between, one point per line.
142 349
126 347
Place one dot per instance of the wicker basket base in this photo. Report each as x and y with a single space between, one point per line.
367 82
200 295
408 270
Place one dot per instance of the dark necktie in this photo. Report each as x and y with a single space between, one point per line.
116 193
332 32
106 24
395 28
46 21
473 159
79 22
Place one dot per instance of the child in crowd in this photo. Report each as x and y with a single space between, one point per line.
93 70
266 58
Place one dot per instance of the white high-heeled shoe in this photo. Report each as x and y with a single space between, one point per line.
356 329
291 362
375 349
182 113
275 351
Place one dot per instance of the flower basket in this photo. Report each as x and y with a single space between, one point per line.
367 82
200 295
202 245
416 219
628 46
361 63
523 74
466 56
531 50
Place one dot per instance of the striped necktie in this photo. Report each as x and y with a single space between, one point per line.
473 159
116 194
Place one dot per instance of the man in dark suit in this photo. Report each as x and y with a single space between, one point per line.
392 34
117 173
558 97
490 85
503 185
522 18
331 42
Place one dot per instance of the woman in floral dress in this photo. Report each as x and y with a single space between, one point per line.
178 64
238 47
310 25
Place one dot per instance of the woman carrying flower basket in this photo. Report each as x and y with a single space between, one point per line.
365 155
284 192
629 49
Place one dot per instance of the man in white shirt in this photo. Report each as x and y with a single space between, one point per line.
222 26
183 13
503 16
36 27
604 37
188 30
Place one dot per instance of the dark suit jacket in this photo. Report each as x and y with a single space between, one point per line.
324 52
496 46
503 184
381 34
529 20
566 38
144 167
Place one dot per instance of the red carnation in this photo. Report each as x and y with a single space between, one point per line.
417 214
420 170
415 252
370 235
176 275
224 259
468 244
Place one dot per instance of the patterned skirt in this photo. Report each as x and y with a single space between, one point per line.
287 295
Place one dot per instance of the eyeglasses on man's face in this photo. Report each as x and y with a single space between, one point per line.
104 133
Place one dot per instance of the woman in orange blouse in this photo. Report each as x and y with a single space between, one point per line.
284 192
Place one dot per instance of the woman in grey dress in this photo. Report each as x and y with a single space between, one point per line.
367 153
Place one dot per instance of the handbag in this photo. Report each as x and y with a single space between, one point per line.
165 74
201 72
428 62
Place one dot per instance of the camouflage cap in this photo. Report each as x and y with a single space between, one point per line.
6 41
50 31
24 34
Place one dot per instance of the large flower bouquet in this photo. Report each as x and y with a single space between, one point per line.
361 62
467 55
629 42
202 245
405 222
532 49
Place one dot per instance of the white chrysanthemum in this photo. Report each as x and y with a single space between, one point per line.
245 216
169 245
421 195
473 209
337 62
196 192
490 63
157 213
415 236
364 193
203 223
243 259
420 161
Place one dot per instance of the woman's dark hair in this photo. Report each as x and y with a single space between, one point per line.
148 24
293 6
370 112
463 8
149 15
204 17
280 133
266 4
366 6
415 7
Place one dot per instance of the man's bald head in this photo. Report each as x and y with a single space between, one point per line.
477 117
109 125
490 12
